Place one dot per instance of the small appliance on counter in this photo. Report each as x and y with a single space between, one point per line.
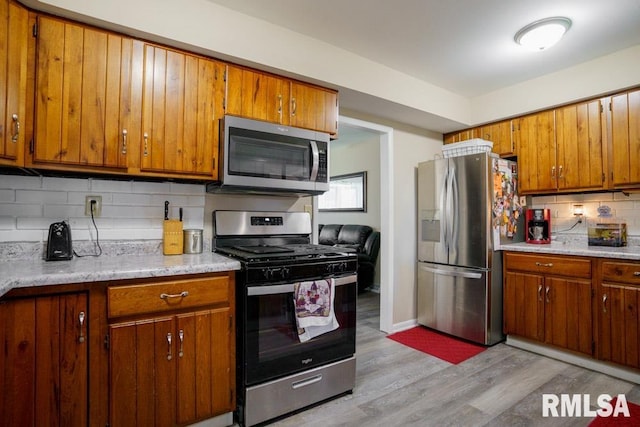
607 230
192 241
59 242
538 226
172 236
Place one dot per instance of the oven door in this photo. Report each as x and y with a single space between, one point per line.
271 347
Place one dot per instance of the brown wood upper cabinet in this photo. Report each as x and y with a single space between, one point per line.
502 137
625 139
561 149
262 96
499 133
14 34
83 96
182 105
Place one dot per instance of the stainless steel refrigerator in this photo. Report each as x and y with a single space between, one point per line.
466 205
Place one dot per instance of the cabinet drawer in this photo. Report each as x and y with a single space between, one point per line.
166 296
555 265
625 272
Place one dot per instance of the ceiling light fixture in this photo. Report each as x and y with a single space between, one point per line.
544 33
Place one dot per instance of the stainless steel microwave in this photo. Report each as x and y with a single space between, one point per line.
263 157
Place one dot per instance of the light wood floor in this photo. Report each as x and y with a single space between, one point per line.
502 386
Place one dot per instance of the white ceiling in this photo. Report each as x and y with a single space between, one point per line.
463 46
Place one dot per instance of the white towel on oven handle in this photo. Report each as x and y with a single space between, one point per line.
314 310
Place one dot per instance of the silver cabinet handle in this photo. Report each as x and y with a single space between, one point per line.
294 106
169 339
280 106
181 338
539 292
541 264
546 294
180 295
124 141
560 172
604 303
146 143
81 324
553 172
636 273
16 128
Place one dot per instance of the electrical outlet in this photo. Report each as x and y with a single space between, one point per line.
97 208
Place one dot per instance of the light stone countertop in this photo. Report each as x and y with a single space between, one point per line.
35 272
578 247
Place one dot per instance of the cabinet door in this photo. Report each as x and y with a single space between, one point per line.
257 95
14 33
83 91
314 108
45 361
535 143
625 137
580 162
501 136
568 320
205 375
619 324
524 305
142 389
180 115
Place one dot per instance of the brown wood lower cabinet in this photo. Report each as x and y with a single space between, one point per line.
170 363
44 377
549 299
618 318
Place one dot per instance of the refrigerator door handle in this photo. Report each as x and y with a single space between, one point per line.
455 213
443 212
442 272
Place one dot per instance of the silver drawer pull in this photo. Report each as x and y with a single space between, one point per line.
636 273
542 264
307 381
180 295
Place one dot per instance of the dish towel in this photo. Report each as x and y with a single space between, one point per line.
314 308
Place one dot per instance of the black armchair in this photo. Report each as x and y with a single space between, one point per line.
363 239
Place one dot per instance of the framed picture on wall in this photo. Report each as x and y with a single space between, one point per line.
347 193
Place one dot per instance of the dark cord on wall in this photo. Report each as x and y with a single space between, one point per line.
97 242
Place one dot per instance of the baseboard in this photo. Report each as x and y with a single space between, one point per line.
403 326
574 359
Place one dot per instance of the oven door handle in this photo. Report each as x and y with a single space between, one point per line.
288 287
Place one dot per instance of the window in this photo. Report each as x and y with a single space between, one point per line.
347 193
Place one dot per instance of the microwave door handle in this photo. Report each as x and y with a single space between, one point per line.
315 155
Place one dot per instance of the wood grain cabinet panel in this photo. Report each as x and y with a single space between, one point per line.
625 139
45 360
501 135
83 96
14 34
549 299
618 313
262 96
580 162
175 368
182 105
536 146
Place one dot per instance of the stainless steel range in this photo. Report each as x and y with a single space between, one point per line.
283 364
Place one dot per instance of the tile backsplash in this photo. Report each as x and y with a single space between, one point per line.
625 208
131 210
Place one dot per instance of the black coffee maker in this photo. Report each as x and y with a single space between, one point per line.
538 226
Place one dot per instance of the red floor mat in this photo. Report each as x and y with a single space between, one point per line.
620 420
442 346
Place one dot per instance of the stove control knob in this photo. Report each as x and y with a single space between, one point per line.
330 268
285 272
267 273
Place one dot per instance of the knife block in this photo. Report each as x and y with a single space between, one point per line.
172 239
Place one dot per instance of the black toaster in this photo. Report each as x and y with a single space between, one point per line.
59 243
